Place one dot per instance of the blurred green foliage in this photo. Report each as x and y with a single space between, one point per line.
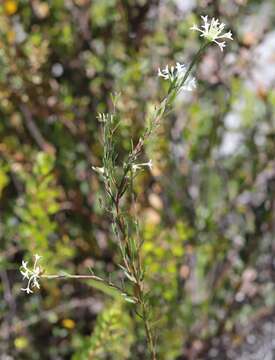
112 335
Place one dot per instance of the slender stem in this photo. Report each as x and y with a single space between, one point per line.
132 258
70 276
135 271
148 329
86 277
194 61
131 261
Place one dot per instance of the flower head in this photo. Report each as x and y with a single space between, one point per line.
212 31
105 117
32 275
140 166
177 73
99 170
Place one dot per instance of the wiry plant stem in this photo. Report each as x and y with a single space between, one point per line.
84 277
132 262
147 325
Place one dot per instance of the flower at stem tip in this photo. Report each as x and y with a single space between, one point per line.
140 166
212 31
99 169
177 73
32 274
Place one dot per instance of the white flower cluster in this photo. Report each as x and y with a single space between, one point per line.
212 31
137 167
98 169
32 275
104 117
178 73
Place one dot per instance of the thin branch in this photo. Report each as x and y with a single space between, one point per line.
34 130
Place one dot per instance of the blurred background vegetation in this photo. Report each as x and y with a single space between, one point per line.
207 207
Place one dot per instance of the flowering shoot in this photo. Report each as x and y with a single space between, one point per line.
177 73
104 117
32 275
140 166
212 31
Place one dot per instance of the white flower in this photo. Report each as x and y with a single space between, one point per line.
32 275
212 31
104 117
177 73
140 166
99 170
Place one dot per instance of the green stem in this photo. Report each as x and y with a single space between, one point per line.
144 315
174 86
149 335
193 62
122 186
